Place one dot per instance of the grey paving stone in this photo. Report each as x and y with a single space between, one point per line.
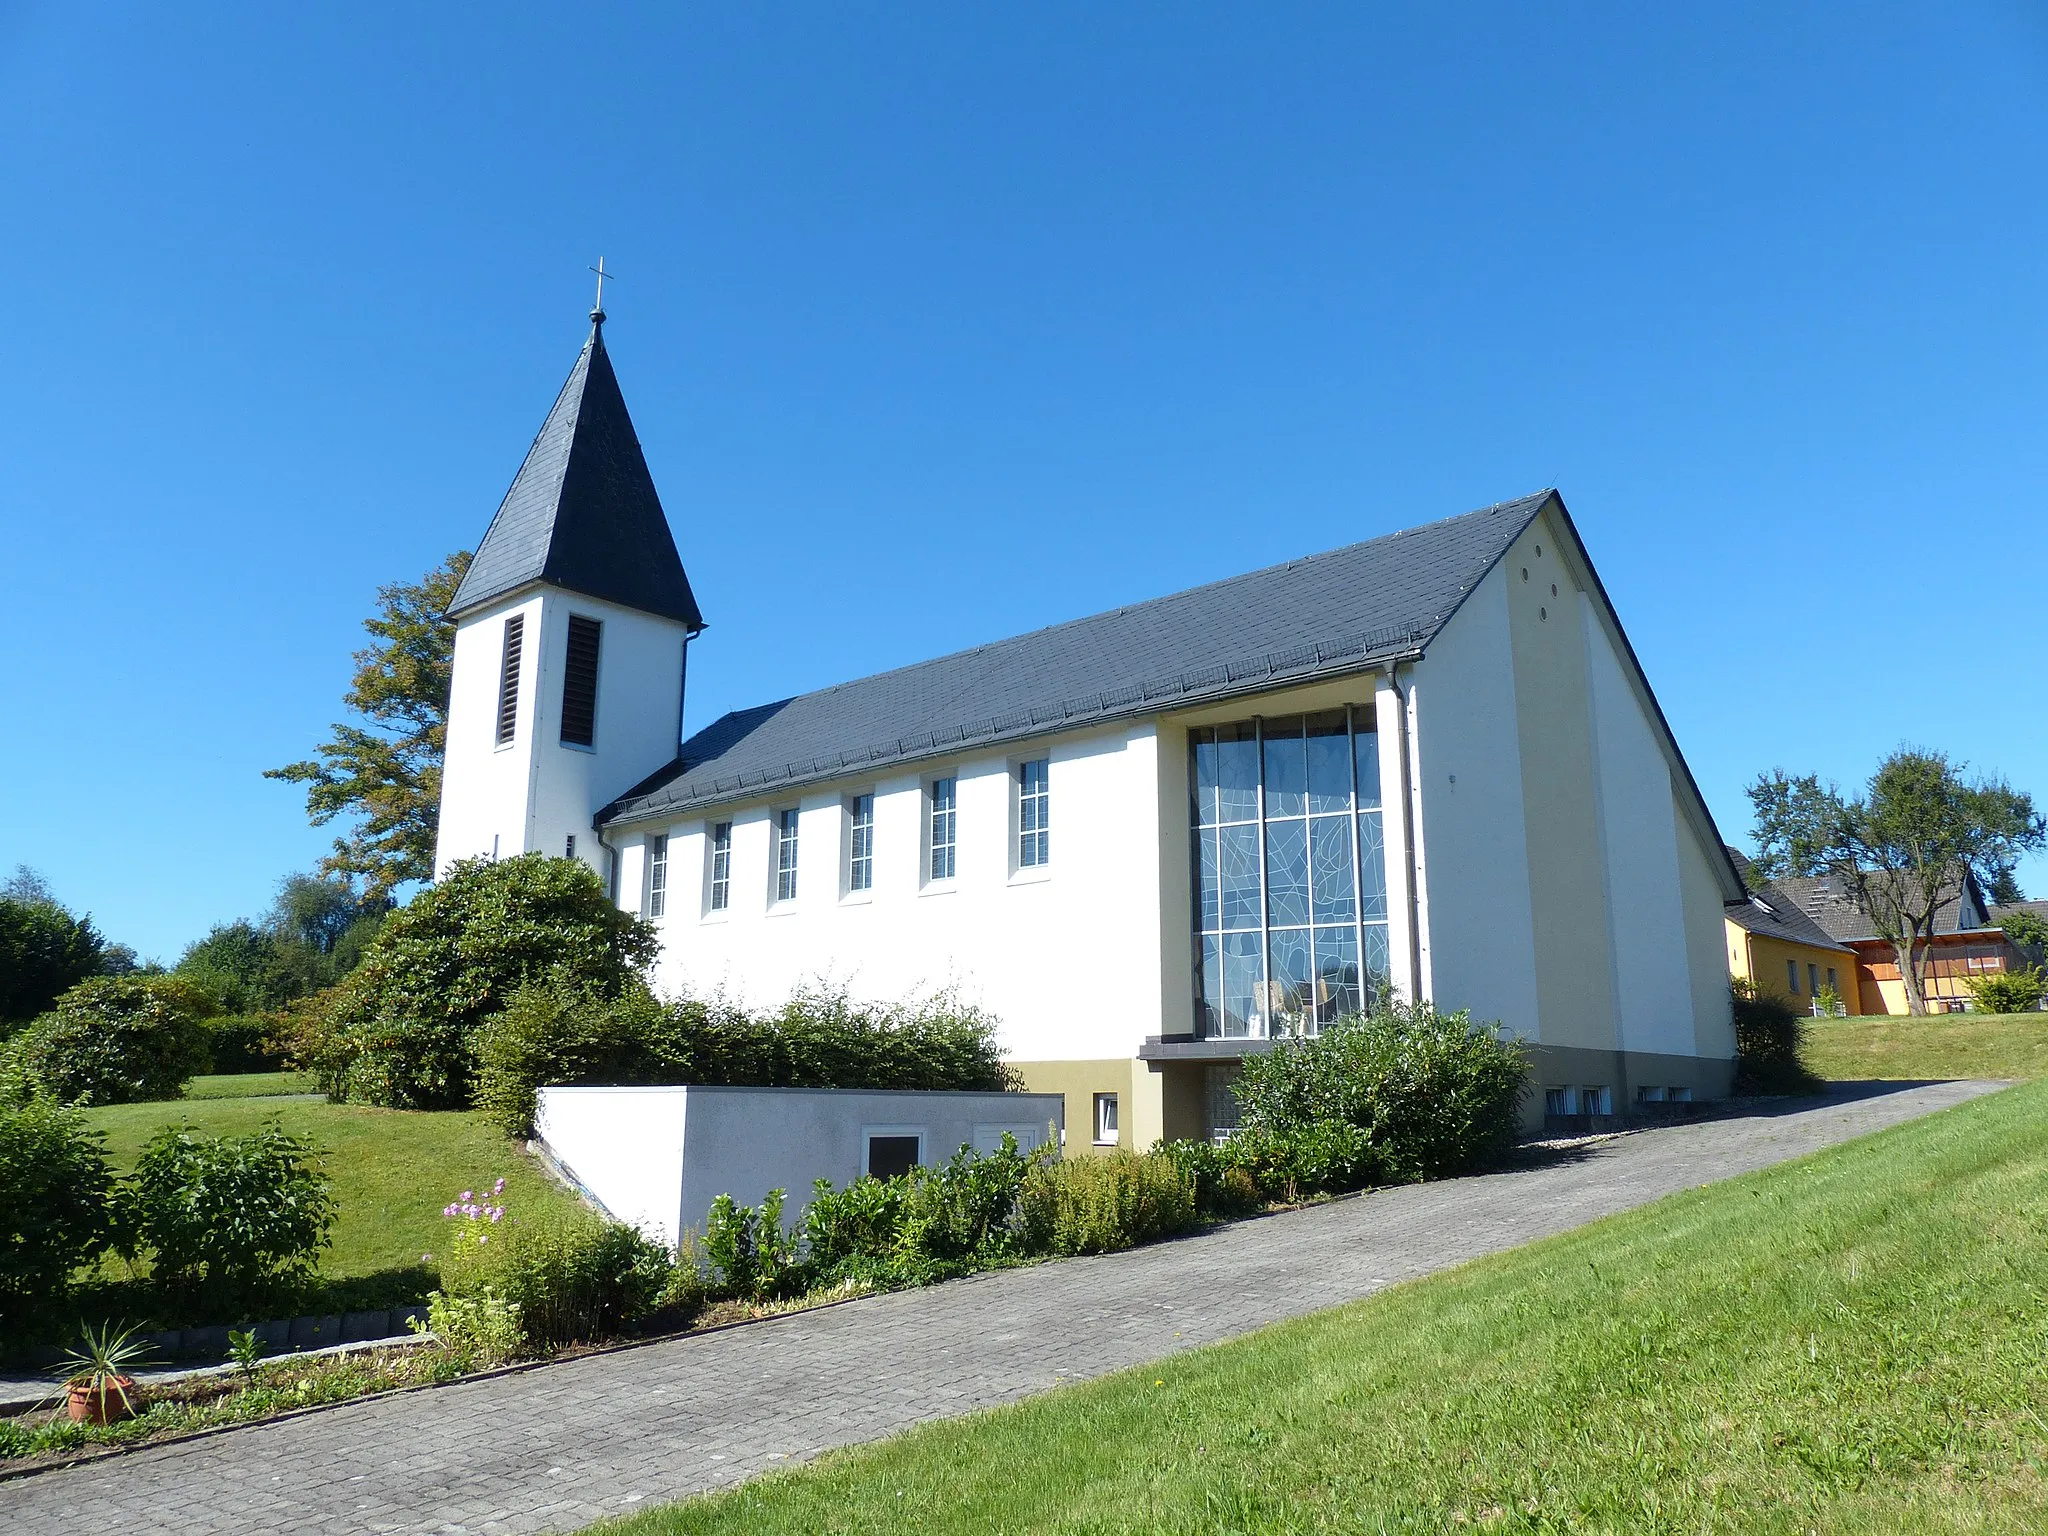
554 1449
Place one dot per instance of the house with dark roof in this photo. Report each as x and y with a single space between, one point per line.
1151 841
1778 948
1967 943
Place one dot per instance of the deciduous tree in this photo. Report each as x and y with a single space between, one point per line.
386 771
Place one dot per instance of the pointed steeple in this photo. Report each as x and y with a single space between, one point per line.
583 512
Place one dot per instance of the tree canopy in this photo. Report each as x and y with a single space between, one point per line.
386 771
44 950
313 935
1903 848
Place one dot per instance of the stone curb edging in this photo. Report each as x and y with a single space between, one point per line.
104 1452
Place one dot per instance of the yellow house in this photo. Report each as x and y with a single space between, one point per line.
1775 945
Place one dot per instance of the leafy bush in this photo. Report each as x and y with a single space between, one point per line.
399 1030
114 1040
752 1255
1223 1185
568 1279
479 1331
44 952
243 1042
53 1210
1433 1093
557 1031
2018 991
226 1220
1105 1203
1768 1035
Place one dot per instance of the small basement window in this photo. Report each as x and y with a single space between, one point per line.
1560 1101
1596 1100
892 1155
1105 1119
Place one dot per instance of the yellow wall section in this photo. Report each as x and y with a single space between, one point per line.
1553 710
1080 1081
1762 959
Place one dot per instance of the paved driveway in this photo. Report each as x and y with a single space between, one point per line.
552 1449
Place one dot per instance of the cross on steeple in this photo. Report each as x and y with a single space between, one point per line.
597 309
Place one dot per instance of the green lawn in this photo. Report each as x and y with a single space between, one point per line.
1936 1046
1854 1342
392 1170
250 1085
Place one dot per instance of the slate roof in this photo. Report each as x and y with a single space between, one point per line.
1823 899
582 512
1774 914
1323 615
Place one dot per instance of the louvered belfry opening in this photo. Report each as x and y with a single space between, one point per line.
508 677
579 682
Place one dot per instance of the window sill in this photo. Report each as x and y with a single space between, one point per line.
505 746
782 908
939 888
1034 874
717 915
576 746
1109 1143
858 898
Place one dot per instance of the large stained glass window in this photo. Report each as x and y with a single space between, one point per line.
1290 874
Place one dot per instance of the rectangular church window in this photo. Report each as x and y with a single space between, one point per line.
721 866
1034 815
945 827
785 854
860 852
657 875
579 682
508 677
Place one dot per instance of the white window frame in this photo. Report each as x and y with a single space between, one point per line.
860 845
718 867
1106 1135
869 1132
932 845
786 832
656 904
1031 845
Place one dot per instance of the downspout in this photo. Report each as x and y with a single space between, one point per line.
1405 791
611 864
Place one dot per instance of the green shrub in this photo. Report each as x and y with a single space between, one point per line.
555 1030
2018 991
1434 1093
479 1331
243 1042
570 1278
53 1210
226 1221
1105 1203
44 952
114 1040
1324 1158
1223 1186
1768 1035
751 1254
400 1029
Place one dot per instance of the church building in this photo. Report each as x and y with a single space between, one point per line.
1151 841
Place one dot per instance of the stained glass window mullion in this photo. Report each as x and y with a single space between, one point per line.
1263 986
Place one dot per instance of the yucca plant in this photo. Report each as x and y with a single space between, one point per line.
96 1372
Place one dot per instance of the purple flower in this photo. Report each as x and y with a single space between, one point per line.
498 1188
469 1194
496 1214
448 1211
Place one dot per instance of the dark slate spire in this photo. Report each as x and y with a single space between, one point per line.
583 513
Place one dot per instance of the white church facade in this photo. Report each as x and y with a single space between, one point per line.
1151 841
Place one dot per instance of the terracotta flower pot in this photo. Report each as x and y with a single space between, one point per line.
110 1403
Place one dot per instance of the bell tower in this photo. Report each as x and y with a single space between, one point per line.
572 629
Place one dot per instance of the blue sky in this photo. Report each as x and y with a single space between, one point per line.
940 323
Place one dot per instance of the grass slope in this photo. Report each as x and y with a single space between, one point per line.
1850 1343
392 1170
1936 1046
250 1085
